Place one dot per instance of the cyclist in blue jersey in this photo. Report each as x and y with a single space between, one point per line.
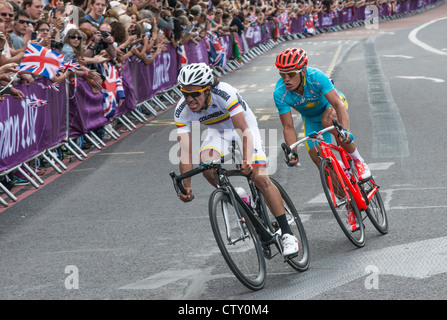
310 92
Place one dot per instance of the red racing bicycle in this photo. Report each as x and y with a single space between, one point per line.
347 196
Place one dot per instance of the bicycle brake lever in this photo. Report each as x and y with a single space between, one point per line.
178 185
286 149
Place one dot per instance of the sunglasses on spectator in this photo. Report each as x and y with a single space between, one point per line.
4 14
75 37
194 94
44 30
24 21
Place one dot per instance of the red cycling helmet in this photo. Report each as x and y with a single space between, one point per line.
291 59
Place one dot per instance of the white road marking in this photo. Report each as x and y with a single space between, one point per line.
416 41
397 56
437 80
417 260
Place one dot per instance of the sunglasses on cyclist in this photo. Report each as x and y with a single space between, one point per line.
290 74
75 37
194 94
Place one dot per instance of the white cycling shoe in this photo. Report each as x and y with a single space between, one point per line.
290 245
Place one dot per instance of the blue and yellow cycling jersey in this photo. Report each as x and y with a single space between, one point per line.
313 102
311 105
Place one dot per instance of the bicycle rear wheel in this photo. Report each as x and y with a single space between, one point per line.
237 240
301 261
336 196
376 209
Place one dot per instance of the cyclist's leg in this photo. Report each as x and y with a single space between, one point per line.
326 120
314 125
272 195
212 149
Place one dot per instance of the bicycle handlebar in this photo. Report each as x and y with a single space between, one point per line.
177 179
315 136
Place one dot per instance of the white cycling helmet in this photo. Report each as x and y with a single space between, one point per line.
195 74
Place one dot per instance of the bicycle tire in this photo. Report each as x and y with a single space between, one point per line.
301 261
376 209
244 257
331 189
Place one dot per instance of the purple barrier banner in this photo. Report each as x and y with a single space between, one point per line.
196 53
326 20
26 131
130 90
160 75
347 16
267 32
297 25
86 110
253 36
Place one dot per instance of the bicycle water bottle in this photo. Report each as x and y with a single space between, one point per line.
243 195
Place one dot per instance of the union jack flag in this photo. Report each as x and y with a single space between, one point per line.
71 65
182 53
112 91
41 61
284 18
216 50
54 86
35 103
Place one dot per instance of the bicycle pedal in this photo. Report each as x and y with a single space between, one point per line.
287 258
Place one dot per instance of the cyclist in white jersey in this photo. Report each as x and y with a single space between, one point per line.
219 106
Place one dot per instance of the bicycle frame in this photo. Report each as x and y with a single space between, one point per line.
326 150
267 237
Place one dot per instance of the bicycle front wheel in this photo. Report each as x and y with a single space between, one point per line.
376 209
336 196
237 240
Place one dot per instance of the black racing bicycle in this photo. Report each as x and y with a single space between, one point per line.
247 232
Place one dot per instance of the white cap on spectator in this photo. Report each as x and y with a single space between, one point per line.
117 6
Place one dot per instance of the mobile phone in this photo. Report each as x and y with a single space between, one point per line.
34 35
6 91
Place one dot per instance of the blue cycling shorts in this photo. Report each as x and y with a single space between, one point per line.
312 124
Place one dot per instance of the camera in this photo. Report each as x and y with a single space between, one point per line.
133 32
56 45
104 34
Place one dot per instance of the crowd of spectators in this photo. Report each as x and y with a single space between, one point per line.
95 32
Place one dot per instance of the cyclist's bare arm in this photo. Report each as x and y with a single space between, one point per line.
289 133
342 115
240 124
185 163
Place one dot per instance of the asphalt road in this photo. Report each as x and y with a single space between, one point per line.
113 228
